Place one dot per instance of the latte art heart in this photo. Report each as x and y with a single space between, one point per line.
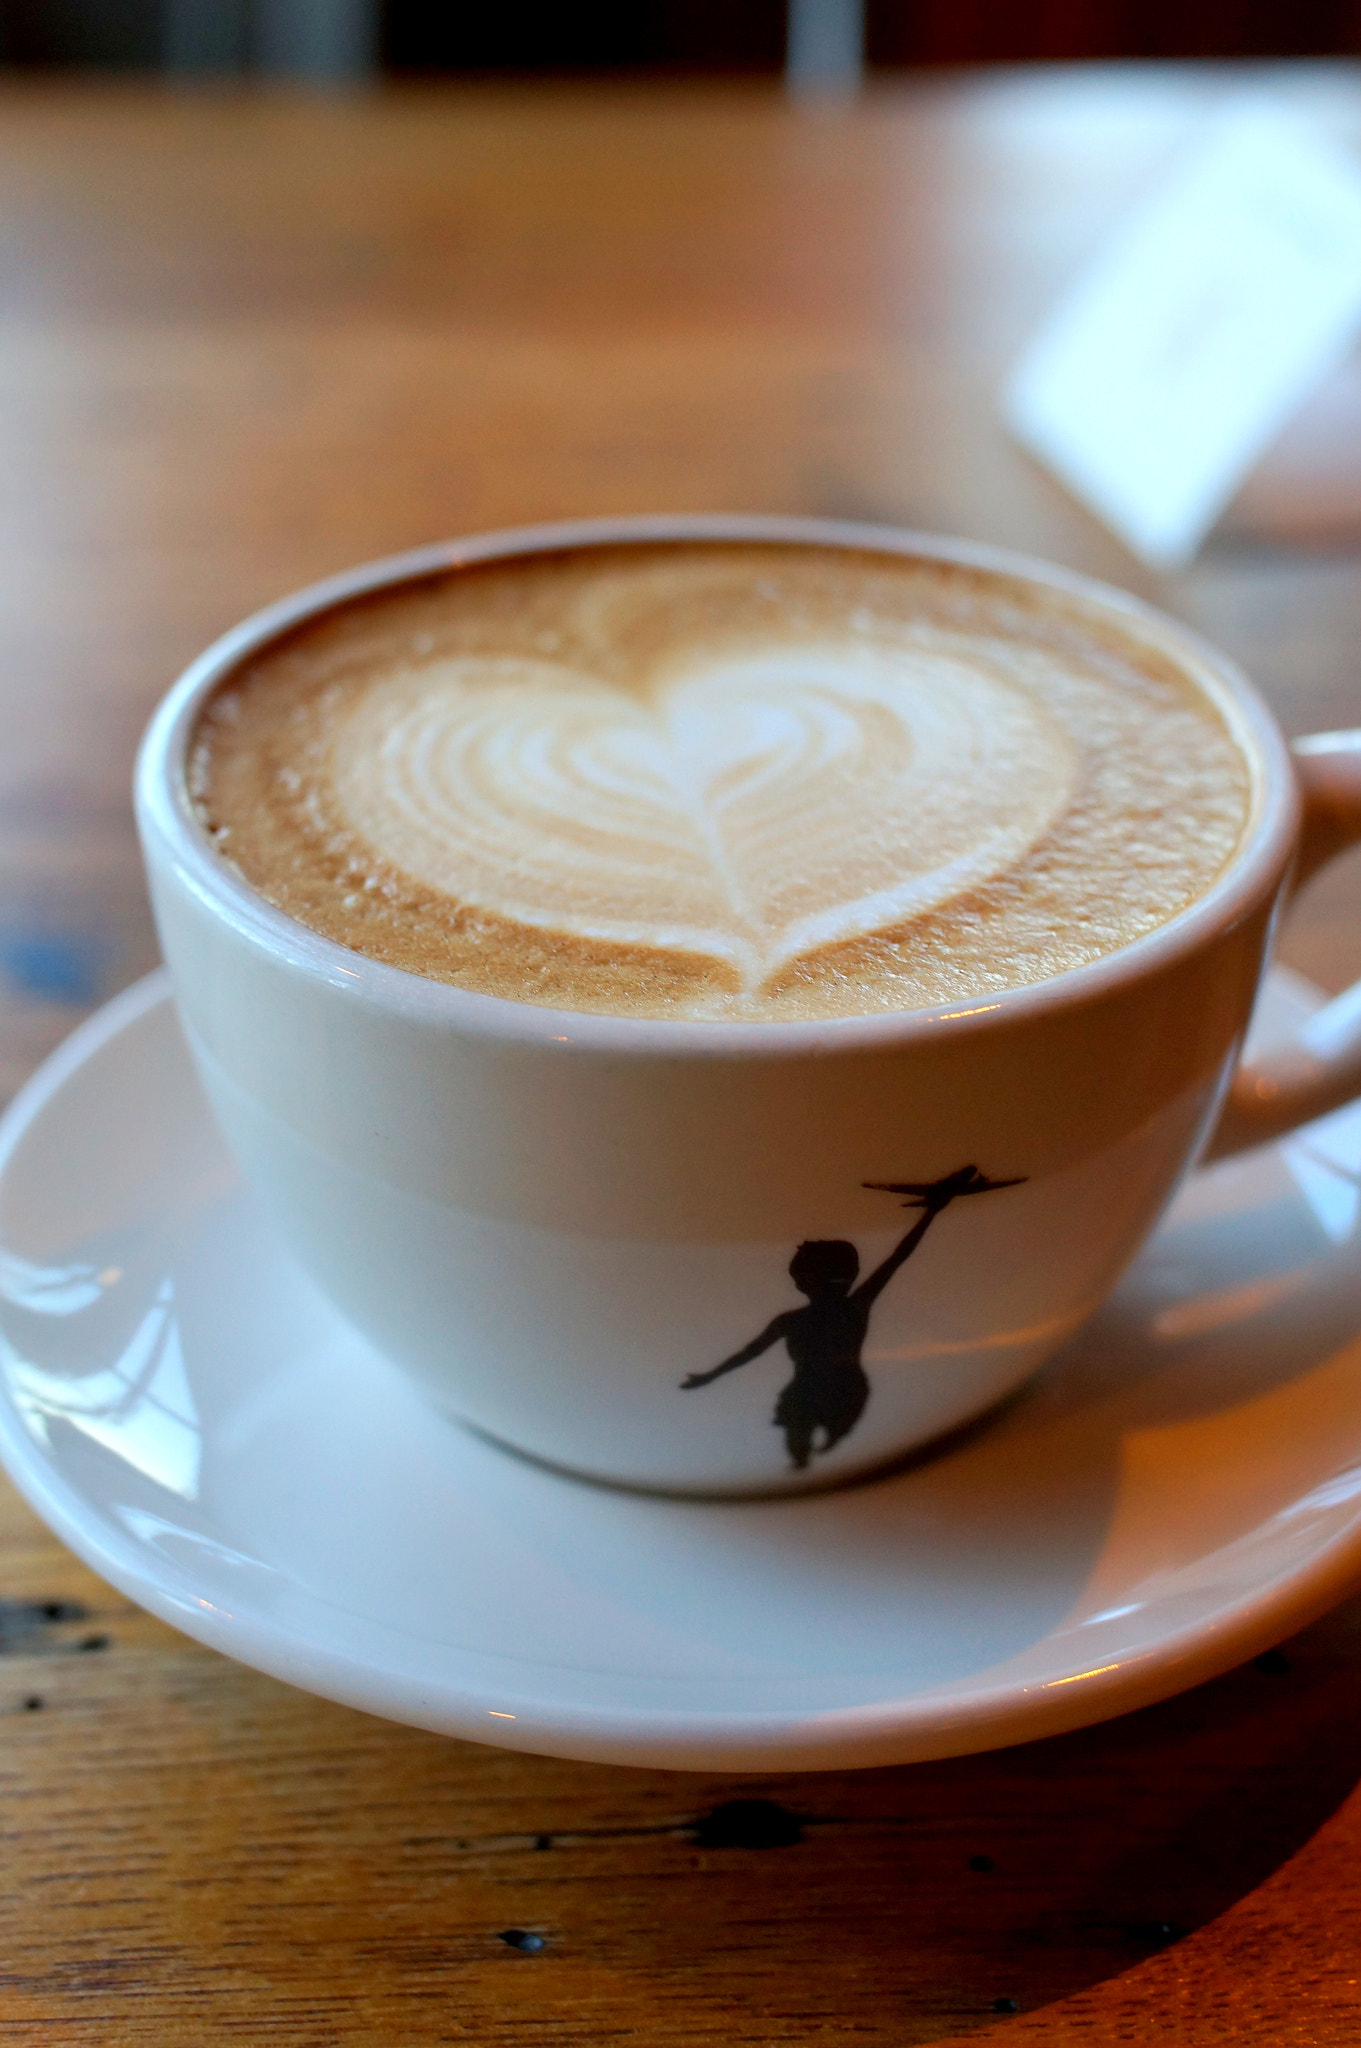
754 809
724 780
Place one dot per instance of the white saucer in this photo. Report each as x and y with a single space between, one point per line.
1178 1491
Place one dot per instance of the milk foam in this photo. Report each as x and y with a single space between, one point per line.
722 781
752 809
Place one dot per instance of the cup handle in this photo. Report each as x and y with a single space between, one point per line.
1321 1069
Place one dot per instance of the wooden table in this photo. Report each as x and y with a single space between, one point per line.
247 341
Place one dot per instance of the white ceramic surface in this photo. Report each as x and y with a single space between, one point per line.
1177 1490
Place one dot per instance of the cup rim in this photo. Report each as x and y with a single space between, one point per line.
168 821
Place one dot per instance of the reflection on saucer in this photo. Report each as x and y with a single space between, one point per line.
1325 1160
137 1403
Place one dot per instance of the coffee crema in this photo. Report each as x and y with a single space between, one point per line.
723 780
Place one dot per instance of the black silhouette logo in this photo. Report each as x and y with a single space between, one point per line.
825 1338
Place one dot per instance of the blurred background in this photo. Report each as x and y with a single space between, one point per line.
411 38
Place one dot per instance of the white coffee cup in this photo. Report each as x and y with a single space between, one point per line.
562 1223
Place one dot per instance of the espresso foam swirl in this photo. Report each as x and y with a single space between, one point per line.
724 781
754 809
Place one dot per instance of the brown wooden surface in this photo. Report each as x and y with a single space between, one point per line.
246 342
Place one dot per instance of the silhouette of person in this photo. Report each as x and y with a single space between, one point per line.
825 1338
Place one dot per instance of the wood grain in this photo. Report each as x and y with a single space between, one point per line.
243 342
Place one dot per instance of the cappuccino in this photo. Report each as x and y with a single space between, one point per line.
724 780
